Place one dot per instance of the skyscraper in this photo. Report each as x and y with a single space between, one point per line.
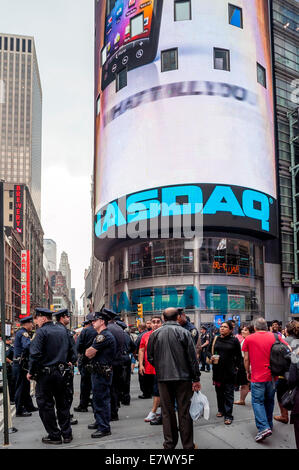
51 253
20 114
65 269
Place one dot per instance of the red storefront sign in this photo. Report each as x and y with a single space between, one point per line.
25 283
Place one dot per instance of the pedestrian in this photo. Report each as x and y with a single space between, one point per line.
293 380
63 319
205 341
51 351
149 373
226 358
245 330
257 350
172 352
84 341
275 327
148 324
102 354
142 384
23 400
282 383
185 323
117 385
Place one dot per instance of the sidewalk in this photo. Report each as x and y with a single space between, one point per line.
131 432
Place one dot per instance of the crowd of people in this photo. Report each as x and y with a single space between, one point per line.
171 355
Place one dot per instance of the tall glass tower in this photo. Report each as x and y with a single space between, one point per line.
20 114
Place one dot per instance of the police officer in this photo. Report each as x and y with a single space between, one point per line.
117 386
185 323
102 353
130 348
9 353
84 342
23 400
51 351
63 319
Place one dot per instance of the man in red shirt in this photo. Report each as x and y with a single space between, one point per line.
148 371
257 349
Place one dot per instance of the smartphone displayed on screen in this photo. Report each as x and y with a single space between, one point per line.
131 39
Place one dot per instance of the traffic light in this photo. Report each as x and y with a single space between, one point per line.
140 310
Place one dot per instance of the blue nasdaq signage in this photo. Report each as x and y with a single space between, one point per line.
223 207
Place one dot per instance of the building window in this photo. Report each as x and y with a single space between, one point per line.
182 10
235 16
221 59
10 217
18 45
10 193
29 45
5 44
137 25
0 42
169 60
121 79
10 206
23 45
261 75
11 44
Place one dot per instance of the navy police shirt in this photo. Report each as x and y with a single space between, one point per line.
50 346
190 327
105 344
22 342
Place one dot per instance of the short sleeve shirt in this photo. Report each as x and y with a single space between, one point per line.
258 345
149 369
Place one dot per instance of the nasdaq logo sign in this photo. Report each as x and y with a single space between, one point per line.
172 206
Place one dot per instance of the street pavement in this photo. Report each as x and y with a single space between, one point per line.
131 432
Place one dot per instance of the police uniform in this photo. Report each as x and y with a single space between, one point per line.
23 400
130 348
9 353
70 372
84 342
194 333
117 386
50 352
101 379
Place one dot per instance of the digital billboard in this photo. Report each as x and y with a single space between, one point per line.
194 134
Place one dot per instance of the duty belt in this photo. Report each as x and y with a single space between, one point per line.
101 369
62 368
17 359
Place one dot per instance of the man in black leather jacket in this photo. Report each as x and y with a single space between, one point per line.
172 352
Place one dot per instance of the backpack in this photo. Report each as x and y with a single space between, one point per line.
280 358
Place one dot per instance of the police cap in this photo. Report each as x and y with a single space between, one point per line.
110 313
26 319
90 317
86 322
122 324
62 313
101 316
43 312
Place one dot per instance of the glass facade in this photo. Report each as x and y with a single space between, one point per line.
230 275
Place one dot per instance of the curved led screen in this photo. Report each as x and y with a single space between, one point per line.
208 123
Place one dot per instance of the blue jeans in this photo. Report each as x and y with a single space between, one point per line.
262 400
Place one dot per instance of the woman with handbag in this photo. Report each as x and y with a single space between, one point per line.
226 357
293 382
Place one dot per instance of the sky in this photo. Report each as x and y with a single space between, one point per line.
63 31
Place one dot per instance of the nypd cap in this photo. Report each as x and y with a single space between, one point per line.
42 312
101 316
26 319
62 312
110 313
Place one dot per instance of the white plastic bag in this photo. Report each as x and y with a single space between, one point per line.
199 406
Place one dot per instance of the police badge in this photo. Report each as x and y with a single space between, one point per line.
100 339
